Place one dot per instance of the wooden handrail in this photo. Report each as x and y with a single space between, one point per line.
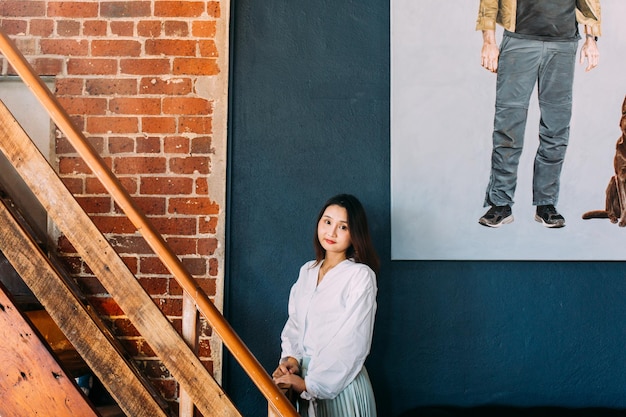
215 319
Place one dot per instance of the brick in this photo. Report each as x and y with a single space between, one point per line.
208 286
190 165
200 125
151 206
176 28
149 28
74 185
140 165
208 364
115 48
178 8
17 8
167 388
170 306
26 45
65 246
121 145
107 124
124 28
208 48
154 286
176 144
201 186
201 144
14 27
110 87
132 105
213 9
183 245
170 47
41 27
68 28
198 205
73 166
133 245
195 266
93 205
114 224
145 66
204 28
169 86
115 9
95 28
106 306
204 348
72 47
68 86
213 267
195 66
45 66
187 105
74 9
179 226
158 125
94 186
80 105
149 144
153 266
166 186
63 146
207 246
96 66
208 225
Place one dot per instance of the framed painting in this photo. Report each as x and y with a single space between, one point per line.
442 110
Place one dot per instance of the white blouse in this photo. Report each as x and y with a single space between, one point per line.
332 324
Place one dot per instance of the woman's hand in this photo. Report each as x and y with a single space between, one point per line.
296 383
287 366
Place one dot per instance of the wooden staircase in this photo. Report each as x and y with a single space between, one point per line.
56 293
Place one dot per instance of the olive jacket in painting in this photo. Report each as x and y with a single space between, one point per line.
503 12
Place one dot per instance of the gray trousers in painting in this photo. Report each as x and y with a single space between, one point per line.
524 63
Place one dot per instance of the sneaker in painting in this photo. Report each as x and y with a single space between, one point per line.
549 217
496 216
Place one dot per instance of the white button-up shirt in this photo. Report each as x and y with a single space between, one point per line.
332 324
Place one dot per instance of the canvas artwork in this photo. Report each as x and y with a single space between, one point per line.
442 114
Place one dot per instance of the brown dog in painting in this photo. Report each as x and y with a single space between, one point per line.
616 191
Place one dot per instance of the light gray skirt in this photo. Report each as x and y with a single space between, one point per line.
356 400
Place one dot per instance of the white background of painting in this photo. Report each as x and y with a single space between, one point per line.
442 104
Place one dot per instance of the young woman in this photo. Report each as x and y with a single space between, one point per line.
332 306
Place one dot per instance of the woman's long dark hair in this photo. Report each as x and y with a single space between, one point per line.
362 249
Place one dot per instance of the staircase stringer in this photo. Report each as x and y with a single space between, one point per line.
82 327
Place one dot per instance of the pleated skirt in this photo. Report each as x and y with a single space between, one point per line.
356 400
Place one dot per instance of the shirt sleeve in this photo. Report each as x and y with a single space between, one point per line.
337 364
291 336
487 15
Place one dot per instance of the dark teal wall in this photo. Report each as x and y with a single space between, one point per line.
309 118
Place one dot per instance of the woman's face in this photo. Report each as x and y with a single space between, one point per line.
332 230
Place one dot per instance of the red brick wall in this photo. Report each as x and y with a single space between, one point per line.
146 83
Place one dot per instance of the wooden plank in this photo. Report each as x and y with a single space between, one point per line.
31 381
190 334
84 330
114 275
